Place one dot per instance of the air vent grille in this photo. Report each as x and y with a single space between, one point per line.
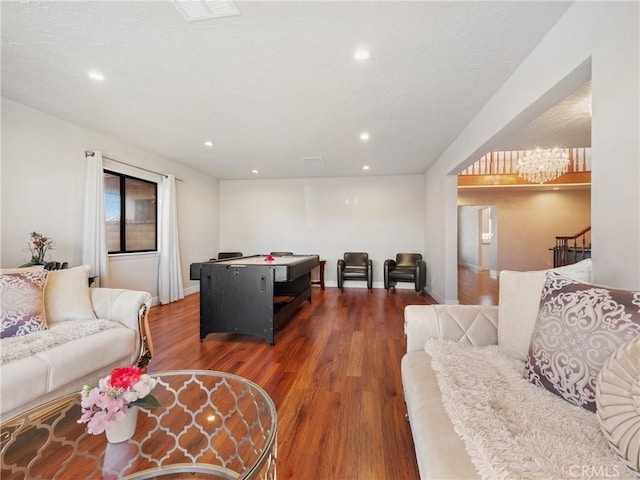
312 160
193 10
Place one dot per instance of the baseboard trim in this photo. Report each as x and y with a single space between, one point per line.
470 266
186 291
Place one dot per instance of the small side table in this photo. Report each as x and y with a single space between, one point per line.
321 281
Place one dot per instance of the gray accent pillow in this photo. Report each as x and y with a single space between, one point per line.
579 326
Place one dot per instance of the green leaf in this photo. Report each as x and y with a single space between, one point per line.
147 402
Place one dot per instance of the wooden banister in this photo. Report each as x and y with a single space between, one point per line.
572 249
500 168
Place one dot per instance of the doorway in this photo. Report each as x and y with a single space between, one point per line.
477 238
477 253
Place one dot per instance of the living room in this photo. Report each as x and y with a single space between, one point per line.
564 60
43 170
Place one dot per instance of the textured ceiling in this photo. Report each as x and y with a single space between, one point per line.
567 124
276 83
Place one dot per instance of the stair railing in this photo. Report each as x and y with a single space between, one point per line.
571 249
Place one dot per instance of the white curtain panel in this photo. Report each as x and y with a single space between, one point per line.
94 239
169 271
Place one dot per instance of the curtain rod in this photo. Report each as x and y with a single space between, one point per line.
91 153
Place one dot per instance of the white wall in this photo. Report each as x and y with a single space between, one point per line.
468 239
325 216
43 175
593 39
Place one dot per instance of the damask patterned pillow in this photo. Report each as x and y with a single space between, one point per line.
579 326
22 302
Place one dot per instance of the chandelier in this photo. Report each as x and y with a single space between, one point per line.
540 166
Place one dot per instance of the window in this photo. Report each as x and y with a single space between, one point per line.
133 200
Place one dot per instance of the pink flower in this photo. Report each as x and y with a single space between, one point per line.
113 396
98 423
125 377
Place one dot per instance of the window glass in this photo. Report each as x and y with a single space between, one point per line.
112 207
135 201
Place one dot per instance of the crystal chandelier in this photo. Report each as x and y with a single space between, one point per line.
540 166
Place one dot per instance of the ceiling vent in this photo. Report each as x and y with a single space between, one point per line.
312 160
193 10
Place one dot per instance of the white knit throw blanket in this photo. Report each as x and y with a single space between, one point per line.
15 348
513 429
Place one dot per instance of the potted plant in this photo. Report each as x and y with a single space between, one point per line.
111 407
39 246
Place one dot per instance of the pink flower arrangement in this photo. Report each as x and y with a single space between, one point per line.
110 400
39 246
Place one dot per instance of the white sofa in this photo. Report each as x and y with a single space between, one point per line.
89 331
446 444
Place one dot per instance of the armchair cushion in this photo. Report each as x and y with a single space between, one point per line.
403 273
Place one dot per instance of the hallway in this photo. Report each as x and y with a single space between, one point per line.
476 288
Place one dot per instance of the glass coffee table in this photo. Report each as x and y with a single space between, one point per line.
210 425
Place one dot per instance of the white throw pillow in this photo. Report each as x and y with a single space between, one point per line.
618 401
519 302
67 296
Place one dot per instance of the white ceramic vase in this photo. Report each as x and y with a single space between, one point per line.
122 430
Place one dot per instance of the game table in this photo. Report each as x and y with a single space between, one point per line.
253 295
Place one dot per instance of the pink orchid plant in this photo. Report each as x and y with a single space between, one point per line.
109 401
39 246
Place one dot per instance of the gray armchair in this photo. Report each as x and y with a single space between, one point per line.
407 267
355 266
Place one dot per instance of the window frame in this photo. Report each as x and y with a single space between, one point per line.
123 211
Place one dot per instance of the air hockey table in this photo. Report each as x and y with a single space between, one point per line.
252 295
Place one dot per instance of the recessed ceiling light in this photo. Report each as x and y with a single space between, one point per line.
361 54
254 171
94 75
209 143
364 136
365 167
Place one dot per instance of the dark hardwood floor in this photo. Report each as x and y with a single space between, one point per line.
477 288
333 375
